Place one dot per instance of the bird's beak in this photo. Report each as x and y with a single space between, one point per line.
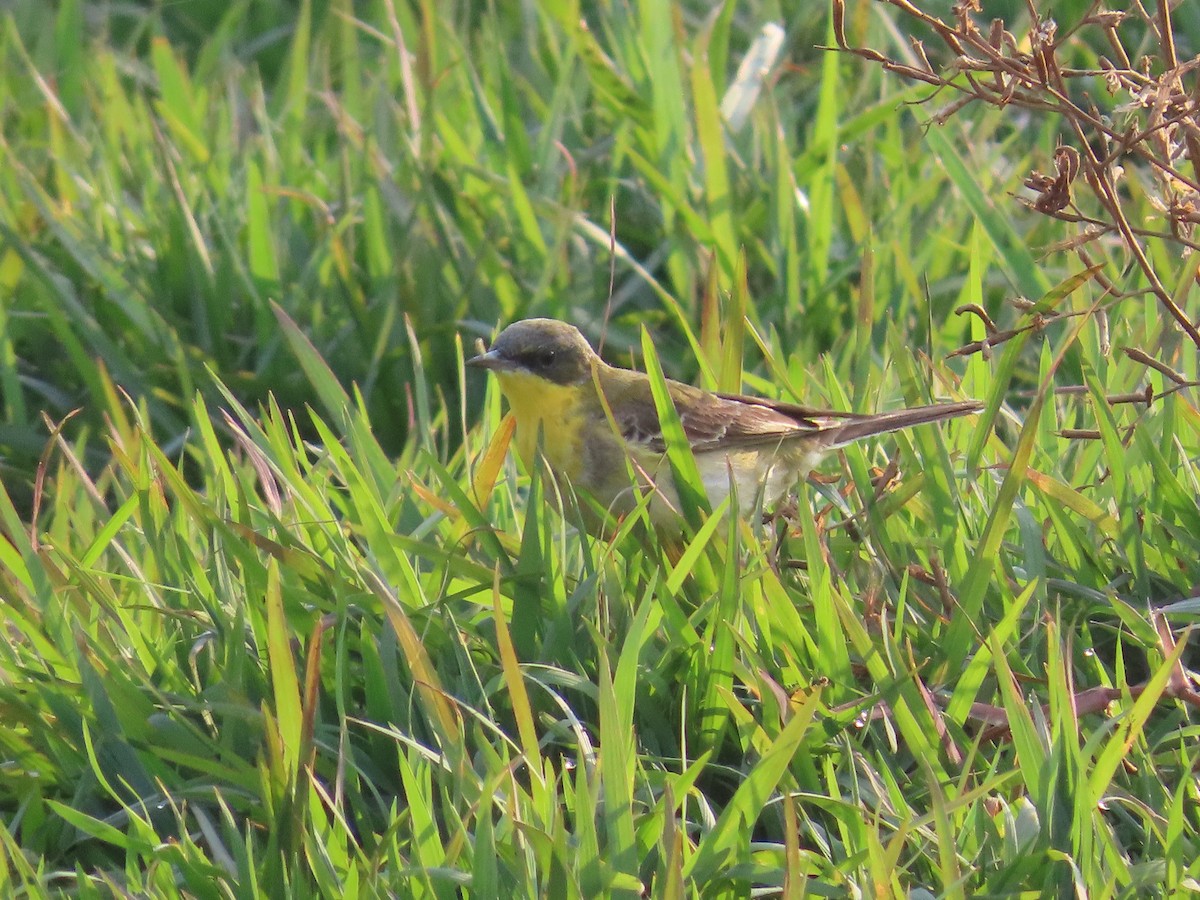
488 360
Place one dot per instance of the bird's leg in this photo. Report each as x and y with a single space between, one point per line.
785 511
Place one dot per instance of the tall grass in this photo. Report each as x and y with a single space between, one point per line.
281 617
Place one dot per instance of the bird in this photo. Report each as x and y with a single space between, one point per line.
595 423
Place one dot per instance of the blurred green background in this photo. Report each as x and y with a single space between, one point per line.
280 619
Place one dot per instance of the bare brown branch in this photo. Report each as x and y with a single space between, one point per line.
1145 120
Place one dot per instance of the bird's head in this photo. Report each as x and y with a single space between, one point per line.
542 348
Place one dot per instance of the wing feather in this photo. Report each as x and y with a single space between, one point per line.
724 422
714 421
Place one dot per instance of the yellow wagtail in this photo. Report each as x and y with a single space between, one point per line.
553 380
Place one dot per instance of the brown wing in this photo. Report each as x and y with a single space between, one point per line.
710 421
731 421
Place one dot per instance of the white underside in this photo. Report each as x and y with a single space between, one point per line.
760 479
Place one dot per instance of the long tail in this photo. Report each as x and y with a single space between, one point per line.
881 423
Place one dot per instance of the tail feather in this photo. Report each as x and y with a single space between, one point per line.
881 423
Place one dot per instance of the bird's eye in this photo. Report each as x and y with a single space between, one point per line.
544 358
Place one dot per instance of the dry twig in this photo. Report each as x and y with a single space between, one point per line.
1151 120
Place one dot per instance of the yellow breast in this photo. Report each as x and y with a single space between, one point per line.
551 411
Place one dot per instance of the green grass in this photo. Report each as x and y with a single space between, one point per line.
280 618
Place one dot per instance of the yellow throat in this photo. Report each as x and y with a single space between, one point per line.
547 412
